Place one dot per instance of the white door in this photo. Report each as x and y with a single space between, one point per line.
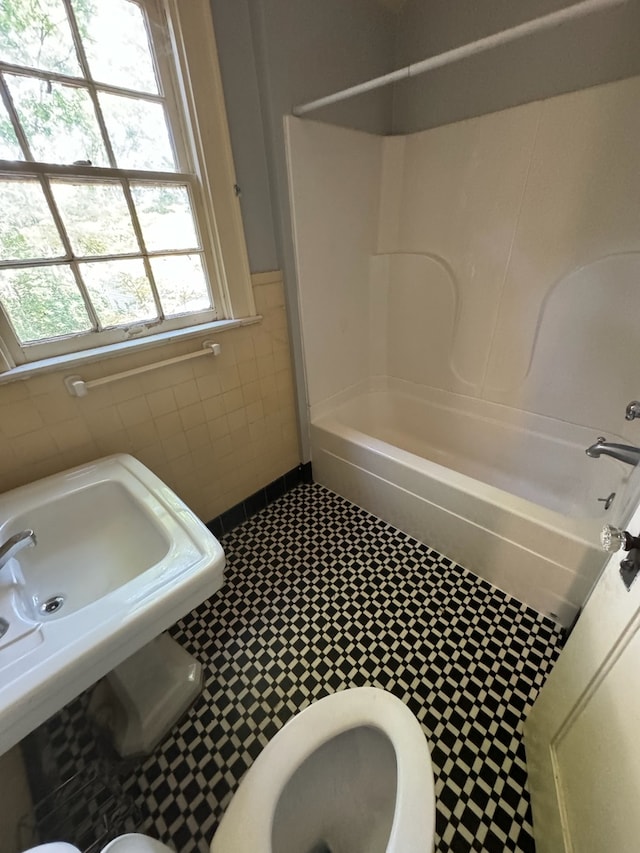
583 735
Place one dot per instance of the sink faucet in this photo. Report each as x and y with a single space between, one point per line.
15 543
623 452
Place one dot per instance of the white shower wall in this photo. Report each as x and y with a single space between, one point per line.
498 257
335 189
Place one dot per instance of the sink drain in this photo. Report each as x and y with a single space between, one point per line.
51 605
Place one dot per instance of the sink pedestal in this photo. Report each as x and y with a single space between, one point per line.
141 700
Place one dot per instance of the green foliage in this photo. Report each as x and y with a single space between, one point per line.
9 148
27 229
60 125
37 33
43 302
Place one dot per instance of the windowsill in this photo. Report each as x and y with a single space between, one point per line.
60 362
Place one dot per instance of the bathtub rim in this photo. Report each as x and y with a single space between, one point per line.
454 401
522 508
581 527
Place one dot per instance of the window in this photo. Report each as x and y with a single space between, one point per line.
106 230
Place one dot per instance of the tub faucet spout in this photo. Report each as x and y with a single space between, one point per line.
16 543
622 452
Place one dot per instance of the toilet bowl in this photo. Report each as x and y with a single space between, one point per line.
349 774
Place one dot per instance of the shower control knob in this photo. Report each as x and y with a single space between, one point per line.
613 539
633 410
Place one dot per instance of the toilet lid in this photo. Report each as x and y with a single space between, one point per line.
134 842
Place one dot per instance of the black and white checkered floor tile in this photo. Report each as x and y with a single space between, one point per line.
319 596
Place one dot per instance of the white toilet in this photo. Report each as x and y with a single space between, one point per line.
349 774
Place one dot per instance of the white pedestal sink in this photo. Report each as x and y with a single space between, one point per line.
119 558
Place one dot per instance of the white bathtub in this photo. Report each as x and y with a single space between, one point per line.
509 495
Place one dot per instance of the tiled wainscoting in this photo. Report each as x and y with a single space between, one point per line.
319 596
215 429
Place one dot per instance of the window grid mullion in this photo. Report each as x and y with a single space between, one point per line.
18 168
69 256
78 82
84 65
21 136
133 213
88 304
47 174
26 263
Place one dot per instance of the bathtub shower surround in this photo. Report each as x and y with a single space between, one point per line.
216 430
486 271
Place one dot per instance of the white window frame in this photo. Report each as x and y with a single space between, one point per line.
186 56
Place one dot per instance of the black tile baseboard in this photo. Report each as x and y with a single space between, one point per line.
243 511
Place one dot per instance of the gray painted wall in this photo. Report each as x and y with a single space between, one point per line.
596 49
275 54
242 98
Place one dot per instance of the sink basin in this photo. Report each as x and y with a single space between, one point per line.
119 558
77 559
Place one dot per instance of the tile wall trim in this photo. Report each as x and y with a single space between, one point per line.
271 277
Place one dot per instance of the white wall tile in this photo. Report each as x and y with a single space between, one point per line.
181 427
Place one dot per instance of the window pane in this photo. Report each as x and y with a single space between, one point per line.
27 228
9 145
120 291
59 121
181 283
37 34
43 302
114 35
96 217
165 217
138 132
